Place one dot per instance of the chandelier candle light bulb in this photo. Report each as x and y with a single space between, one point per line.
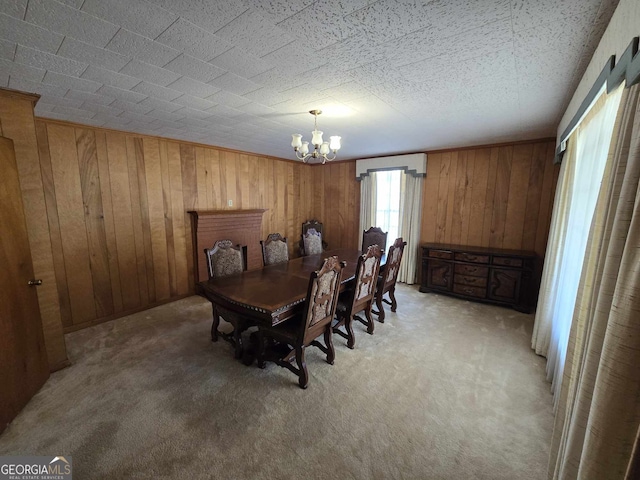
320 149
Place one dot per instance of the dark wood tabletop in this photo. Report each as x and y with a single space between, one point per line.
273 294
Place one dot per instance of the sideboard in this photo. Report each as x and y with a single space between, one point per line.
492 275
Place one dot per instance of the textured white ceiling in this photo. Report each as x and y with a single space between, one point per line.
391 75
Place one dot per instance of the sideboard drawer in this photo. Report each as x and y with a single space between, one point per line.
478 292
507 261
471 270
470 257
441 254
472 281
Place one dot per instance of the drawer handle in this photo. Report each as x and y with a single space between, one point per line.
468 290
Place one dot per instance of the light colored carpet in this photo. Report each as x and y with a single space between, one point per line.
444 389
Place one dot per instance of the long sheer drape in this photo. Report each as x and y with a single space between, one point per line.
410 205
549 287
579 186
597 425
368 202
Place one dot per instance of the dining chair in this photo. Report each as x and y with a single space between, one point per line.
274 249
374 236
387 280
318 227
360 297
225 259
312 242
288 341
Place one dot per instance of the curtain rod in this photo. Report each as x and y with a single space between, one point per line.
612 75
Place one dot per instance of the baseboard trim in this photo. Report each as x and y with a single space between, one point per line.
98 321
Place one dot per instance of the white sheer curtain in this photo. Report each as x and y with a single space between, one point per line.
578 188
368 202
410 208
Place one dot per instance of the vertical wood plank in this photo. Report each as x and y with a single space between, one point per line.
534 194
179 220
203 190
291 206
443 197
482 158
459 199
517 199
66 178
190 199
228 165
451 191
217 188
352 217
490 197
140 213
109 226
501 197
468 192
123 220
54 224
430 199
94 221
153 175
242 182
167 204
253 166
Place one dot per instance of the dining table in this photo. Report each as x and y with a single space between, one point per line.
272 294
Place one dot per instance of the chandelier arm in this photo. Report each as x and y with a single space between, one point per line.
335 154
302 157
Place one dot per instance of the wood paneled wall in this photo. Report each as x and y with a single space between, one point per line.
116 207
498 196
336 203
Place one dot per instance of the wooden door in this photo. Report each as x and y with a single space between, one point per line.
504 285
23 358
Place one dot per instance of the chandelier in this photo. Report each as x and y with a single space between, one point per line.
320 149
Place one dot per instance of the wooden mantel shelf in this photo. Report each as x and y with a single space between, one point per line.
227 212
243 227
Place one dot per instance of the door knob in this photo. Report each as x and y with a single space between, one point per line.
35 282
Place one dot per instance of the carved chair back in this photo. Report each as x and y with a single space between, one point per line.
393 264
359 298
312 242
322 298
374 236
365 279
317 226
274 249
225 259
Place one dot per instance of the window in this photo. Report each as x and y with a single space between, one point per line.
388 202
